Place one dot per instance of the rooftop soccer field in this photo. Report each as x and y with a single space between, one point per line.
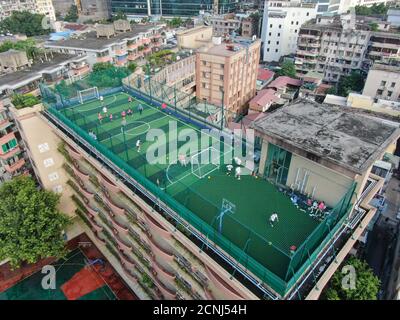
201 189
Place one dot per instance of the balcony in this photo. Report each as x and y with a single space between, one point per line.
133 56
114 208
104 59
228 291
127 260
74 153
133 46
118 225
167 293
120 52
168 276
6 138
156 227
92 212
129 274
146 41
86 193
123 244
84 177
81 70
95 225
11 168
160 252
10 153
108 184
96 234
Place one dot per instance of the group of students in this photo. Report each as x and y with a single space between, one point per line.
129 112
238 169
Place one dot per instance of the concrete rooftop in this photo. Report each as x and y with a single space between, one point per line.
336 134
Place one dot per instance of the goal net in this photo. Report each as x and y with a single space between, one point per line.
205 162
88 94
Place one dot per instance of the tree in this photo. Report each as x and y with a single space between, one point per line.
21 101
175 22
374 26
24 22
28 45
99 66
287 69
119 15
375 9
72 14
347 84
30 224
366 283
132 67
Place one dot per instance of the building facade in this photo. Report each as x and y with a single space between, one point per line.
44 7
281 26
225 25
172 7
117 48
227 74
383 82
13 158
195 37
335 46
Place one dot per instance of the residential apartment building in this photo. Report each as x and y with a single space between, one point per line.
383 82
281 26
13 160
94 9
180 8
44 7
61 7
56 67
118 48
227 74
332 46
225 25
341 6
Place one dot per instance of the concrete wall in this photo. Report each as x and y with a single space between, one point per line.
382 80
194 38
329 185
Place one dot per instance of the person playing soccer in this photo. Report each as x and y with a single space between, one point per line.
129 99
100 117
164 106
105 110
229 168
111 117
138 144
238 171
140 108
129 112
182 160
273 218
123 114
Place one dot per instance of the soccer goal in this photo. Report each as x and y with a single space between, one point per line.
88 94
205 162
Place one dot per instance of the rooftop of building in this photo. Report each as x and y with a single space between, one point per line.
190 31
395 68
335 134
199 199
89 41
16 79
264 74
228 49
284 81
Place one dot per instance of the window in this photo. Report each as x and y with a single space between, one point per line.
9 145
280 26
393 84
307 14
270 34
276 50
221 77
270 25
277 42
58 189
204 63
279 34
379 92
383 83
389 94
269 42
